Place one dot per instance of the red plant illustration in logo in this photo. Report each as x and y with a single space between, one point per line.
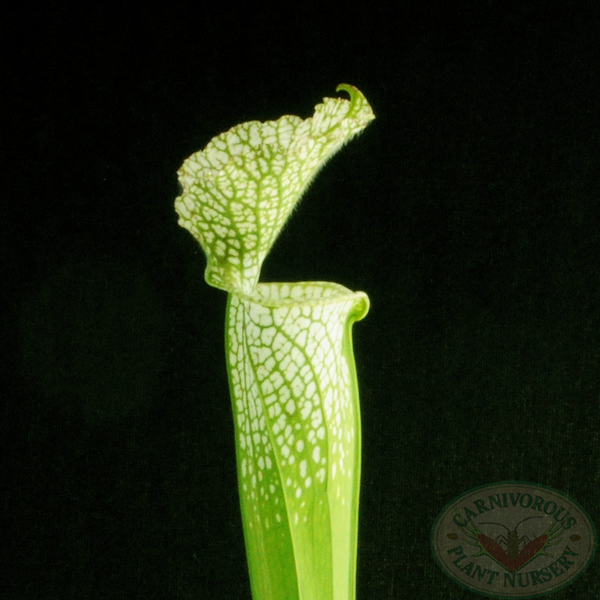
508 550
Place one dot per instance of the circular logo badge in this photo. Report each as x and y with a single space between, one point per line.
513 540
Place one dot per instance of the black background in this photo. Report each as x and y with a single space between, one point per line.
468 211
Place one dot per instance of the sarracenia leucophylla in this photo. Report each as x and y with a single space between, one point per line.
290 362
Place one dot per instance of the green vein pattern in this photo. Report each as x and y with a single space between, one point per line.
239 191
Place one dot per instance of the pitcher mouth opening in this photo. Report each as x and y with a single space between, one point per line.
307 294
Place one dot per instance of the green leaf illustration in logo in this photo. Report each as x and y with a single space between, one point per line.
289 352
